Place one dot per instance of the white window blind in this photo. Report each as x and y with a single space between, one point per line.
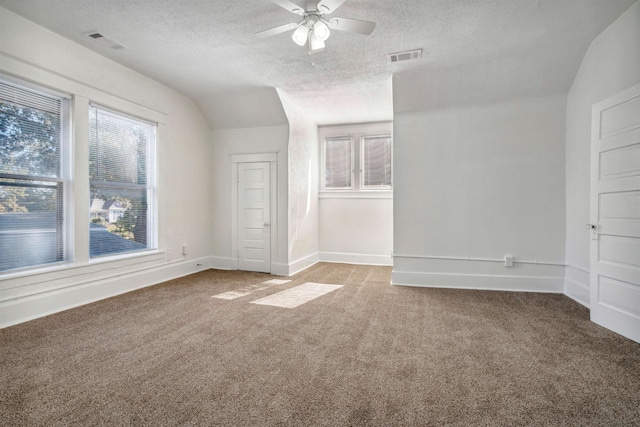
34 165
121 171
338 164
376 162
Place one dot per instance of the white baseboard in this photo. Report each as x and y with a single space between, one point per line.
303 263
363 259
222 263
576 285
295 267
477 273
479 282
277 269
27 308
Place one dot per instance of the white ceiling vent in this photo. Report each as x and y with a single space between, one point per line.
102 39
408 55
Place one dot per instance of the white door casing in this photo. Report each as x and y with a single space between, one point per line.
615 213
253 210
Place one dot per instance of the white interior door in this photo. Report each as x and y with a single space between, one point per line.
615 213
254 216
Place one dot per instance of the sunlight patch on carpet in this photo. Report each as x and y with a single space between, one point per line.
276 282
299 295
250 289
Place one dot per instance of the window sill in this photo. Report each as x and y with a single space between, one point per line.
370 194
65 276
124 256
69 269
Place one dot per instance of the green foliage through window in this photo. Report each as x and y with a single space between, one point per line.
34 135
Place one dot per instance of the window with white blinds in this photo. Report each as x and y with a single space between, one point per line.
338 164
376 162
34 172
370 155
121 173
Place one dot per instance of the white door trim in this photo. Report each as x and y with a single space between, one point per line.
272 158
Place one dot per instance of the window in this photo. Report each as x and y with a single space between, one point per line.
374 163
121 173
34 172
338 164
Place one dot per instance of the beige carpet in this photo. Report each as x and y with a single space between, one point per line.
365 354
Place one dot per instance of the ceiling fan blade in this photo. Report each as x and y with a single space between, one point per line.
290 6
277 30
329 6
352 25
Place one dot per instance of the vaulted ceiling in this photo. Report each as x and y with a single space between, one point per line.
472 49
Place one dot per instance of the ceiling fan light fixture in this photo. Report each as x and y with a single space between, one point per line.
315 27
300 35
315 44
321 30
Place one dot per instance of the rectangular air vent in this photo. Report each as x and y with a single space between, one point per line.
408 55
104 40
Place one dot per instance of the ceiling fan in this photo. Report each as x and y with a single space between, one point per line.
314 28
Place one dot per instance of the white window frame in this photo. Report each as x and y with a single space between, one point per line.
150 186
356 133
63 183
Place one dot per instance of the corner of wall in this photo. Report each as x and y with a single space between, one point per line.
302 181
576 285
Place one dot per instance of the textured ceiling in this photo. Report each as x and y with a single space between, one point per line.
472 49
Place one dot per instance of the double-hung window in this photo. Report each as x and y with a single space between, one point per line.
34 175
122 183
357 163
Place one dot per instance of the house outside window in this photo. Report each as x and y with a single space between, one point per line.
35 158
122 184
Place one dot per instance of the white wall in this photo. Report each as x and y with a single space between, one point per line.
480 182
36 54
303 187
611 65
356 227
226 142
356 230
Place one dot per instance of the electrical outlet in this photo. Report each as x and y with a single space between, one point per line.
508 261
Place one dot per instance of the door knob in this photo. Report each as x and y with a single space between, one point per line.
591 226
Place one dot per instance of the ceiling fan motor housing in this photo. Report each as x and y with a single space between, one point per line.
310 20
